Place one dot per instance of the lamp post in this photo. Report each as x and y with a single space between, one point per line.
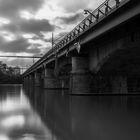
117 2
90 13
52 40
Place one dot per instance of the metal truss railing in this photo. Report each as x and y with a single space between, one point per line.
93 18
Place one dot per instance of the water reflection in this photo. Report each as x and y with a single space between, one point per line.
89 117
18 121
56 115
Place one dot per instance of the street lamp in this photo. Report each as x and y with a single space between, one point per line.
87 12
90 13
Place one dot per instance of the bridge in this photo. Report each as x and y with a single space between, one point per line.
101 54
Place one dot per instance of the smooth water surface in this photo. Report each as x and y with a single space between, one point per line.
37 114
18 120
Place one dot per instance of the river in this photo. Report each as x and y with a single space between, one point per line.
38 114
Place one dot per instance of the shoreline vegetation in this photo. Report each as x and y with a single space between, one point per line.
10 79
9 75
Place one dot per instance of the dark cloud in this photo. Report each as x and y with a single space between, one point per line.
17 46
29 26
35 26
33 50
11 8
56 39
12 27
1 40
41 36
71 19
18 26
37 37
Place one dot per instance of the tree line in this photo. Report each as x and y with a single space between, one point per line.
9 75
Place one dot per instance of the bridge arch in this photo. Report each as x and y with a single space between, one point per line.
64 67
119 71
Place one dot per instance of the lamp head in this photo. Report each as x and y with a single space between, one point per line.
85 12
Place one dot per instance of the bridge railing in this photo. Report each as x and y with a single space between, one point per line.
93 18
103 10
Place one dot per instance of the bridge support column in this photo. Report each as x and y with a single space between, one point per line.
31 80
26 81
50 81
119 84
37 79
65 82
80 75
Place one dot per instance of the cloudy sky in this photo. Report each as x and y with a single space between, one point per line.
26 25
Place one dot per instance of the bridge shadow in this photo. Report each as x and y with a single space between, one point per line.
119 73
88 116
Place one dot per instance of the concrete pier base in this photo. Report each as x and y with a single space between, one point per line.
65 82
119 84
80 83
37 79
31 80
80 76
50 81
26 81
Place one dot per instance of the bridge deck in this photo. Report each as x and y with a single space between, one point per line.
95 17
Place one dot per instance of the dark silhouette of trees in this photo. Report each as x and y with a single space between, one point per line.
8 75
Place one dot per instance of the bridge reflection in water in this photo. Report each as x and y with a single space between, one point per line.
38 114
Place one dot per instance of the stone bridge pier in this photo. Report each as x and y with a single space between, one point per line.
37 78
26 80
50 81
80 75
31 79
